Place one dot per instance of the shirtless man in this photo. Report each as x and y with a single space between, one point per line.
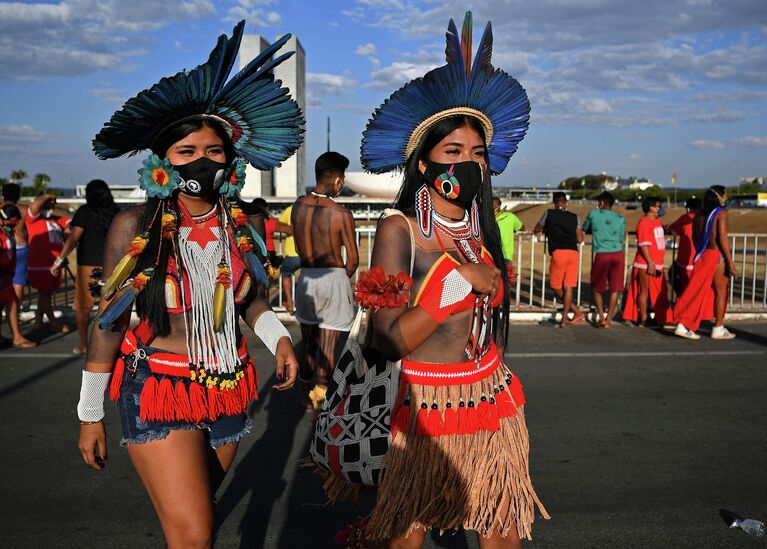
11 195
324 301
706 293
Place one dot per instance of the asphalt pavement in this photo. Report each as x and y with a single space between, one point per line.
637 439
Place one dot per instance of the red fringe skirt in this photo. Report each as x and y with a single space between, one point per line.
208 395
459 453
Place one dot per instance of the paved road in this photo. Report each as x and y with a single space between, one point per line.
638 438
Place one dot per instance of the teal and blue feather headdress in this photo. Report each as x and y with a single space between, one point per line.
264 123
460 87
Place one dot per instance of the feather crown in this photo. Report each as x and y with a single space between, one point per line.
460 87
263 121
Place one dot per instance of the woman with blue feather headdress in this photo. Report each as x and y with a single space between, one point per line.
459 448
191 259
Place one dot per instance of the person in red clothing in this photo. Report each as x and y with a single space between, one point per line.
272 225
10 216
648 279
706 294
46 239
685 251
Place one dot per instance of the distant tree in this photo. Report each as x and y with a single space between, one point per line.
17 176
3 181
40 183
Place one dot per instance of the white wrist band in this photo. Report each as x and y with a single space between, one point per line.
270 330
59 261
91 405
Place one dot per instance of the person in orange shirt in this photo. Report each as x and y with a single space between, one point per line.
685 251
648 278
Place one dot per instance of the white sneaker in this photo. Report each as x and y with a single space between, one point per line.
681 331
720 332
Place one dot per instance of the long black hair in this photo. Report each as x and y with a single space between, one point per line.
711 199
491 236
101 204
150 303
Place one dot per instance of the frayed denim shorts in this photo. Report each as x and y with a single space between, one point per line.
223 430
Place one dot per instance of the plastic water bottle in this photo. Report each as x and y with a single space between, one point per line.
751 527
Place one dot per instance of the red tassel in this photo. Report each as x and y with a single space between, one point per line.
482 411
507 406
148 400
401 422
516 391
472 420
422 422
451 422
183 408
435 423
493 420
214 403
251 378
463 421
198 402
117 379
166 401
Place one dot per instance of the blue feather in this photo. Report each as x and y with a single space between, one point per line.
491 91
121 302
268 124
256 268
258 240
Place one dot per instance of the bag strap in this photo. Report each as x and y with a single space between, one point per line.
388 212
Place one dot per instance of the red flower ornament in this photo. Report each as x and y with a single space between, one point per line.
376 290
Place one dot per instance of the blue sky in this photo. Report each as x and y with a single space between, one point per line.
629 88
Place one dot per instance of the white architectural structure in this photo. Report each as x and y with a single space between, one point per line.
287 181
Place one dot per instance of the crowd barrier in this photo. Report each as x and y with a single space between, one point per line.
531 291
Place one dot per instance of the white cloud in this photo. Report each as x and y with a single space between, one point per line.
366 49
76 37
635 156
754 141
22 132
706 145
324 84
254 12
397 74
108 93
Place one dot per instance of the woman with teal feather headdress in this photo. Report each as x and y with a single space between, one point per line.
459 449
183 378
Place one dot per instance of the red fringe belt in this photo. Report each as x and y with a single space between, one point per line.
456 398
208 396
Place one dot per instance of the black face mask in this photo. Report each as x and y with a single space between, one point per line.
201 177
458 183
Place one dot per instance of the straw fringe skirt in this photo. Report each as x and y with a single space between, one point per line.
454 466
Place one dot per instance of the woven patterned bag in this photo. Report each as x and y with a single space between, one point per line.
353 429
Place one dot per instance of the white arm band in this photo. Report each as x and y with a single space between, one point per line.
91 405
270 330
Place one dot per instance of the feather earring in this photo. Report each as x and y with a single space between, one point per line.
474 216
124 298
223 282
125 266
424 212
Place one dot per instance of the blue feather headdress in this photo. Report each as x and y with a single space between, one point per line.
264 123
490 95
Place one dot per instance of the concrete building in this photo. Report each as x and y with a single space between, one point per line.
288 180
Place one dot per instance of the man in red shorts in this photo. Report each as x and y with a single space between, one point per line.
46 239
608 234
648 277
564 233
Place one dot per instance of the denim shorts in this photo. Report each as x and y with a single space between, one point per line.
290 265
223 430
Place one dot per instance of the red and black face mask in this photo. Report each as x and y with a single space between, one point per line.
458 182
